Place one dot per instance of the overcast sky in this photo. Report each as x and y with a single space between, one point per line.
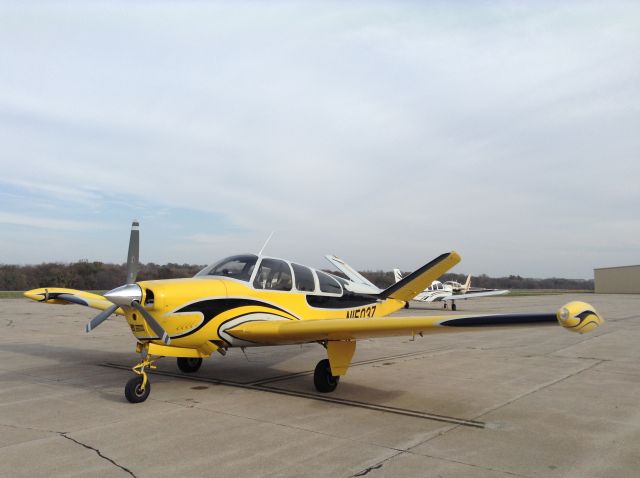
383 132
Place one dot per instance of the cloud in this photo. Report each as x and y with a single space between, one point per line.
385 133
45 223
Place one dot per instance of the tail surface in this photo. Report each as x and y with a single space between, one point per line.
410 286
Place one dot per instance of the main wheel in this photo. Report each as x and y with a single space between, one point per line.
189 364
322 378
453 307
406 305
133 390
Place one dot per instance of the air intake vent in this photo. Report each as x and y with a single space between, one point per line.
149 298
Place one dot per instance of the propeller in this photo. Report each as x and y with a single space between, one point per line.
101 317
130 294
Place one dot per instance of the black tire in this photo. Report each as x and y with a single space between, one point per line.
189 364
406 305
322 378
453 307
134 393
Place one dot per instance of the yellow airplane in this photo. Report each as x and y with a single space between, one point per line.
253 300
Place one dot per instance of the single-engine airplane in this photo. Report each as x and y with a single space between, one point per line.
252 300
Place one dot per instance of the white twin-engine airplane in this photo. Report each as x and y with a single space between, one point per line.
449 291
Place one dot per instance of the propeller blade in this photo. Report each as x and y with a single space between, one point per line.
133 256
101 317
68 297
153 323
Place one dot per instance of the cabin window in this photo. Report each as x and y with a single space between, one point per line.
235 267
328 284
304 278
273 274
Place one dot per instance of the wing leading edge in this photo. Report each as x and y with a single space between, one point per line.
59 295
574 316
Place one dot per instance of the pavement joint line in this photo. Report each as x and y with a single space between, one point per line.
286 425
450 460
541 387
586 339
410 451
43 430
311 396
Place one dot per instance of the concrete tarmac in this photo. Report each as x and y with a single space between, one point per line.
523 402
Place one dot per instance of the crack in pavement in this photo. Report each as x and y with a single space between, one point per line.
99 453
378 465
366 471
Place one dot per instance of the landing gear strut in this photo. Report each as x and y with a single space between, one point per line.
322 378
138 388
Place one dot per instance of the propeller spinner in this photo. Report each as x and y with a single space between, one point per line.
130 294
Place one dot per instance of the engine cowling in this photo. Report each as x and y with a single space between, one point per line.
579 317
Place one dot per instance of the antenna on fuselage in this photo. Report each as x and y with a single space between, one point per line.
265 243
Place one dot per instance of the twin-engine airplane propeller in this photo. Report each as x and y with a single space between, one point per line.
252 300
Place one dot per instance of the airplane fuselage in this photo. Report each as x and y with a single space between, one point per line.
199 311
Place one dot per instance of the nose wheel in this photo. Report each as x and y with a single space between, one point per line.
136 390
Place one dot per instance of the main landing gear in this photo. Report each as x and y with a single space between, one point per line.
328 371
189 364
322 378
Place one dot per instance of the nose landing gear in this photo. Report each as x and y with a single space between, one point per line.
138 388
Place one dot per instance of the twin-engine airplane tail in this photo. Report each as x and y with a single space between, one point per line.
467 284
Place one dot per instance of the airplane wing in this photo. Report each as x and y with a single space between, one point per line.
59 295
575 316
473 295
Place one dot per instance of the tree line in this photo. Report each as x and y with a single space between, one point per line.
384 279
85 275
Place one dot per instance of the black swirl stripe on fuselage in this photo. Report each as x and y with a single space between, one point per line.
212 308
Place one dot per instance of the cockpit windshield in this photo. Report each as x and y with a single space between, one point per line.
235 267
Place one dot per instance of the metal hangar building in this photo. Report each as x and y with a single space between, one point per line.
617 280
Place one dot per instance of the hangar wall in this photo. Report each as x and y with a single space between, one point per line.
617 280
